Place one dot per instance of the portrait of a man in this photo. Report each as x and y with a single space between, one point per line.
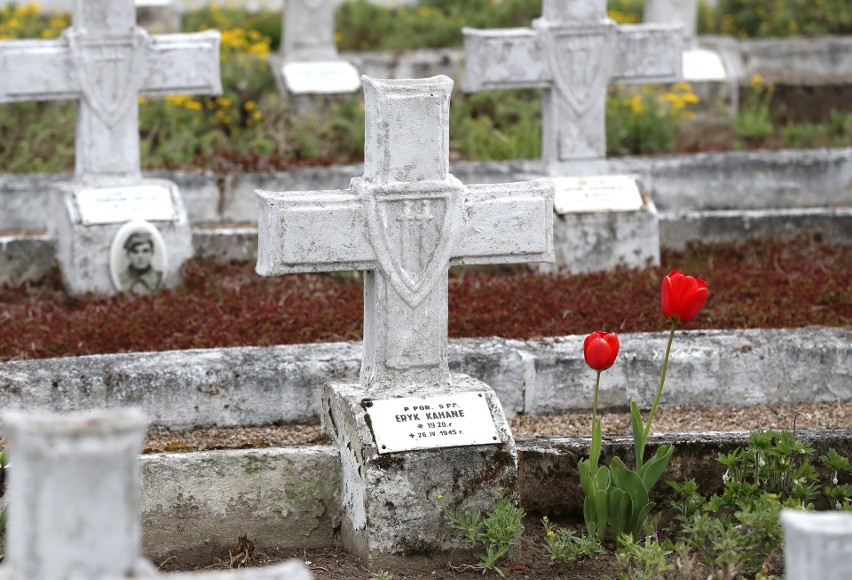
138 260
140 276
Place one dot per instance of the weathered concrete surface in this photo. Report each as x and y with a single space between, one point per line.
707 181
706 196
717 367
182 389
600 241
197 505
826 58
817 545
184 515
389 501
828 225
743 180
26 258
74 491
255 386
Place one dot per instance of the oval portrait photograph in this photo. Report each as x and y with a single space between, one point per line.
138 260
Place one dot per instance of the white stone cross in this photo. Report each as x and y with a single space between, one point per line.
573 52
74 491
405 222
683 12
107 62
308 33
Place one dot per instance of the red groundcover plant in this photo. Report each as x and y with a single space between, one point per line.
617 495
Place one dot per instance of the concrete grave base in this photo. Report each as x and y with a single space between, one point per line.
390 501
600 241
83 251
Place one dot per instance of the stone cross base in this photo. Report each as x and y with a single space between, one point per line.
85 234
601 222
601 241
390 501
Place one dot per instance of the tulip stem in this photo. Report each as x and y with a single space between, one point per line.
595 403
662 381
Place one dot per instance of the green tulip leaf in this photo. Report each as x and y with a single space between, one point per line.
602 511
620 508
643 515
602 478
586 481
638 433
651 471
629 482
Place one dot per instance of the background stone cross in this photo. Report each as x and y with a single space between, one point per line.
308 33
107 62
574 52
405 222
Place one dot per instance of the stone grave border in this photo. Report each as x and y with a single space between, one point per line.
199 503
714 197
263 385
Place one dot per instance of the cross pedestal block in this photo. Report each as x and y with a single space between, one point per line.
390 500
84 249
601 241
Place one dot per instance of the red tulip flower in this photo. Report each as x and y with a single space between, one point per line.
600 350
682 296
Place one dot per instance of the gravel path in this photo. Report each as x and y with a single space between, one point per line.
667 420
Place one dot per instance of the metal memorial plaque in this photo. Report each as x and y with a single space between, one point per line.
111 205
598 193
412 423
327 77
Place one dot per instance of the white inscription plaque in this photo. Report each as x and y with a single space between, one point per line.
325 77
596 193
112 205
431 422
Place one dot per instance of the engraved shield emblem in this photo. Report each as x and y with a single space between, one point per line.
580 61
414 236
110 71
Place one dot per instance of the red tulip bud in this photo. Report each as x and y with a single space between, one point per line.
600 350
682 296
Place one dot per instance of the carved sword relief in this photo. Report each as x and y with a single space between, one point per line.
110 70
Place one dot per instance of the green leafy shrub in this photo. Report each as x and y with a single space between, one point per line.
764 18
646 119
496 532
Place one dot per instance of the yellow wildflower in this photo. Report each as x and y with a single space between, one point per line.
756 80
636 103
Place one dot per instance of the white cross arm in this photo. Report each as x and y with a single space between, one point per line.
31 69
184 64
649 54
314 231
504 58
508 223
